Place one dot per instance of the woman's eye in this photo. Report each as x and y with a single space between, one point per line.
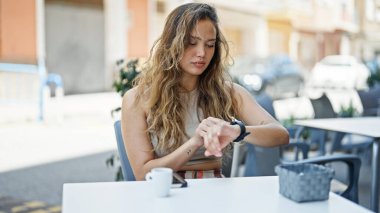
210 45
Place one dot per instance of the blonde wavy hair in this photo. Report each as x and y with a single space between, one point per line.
159 83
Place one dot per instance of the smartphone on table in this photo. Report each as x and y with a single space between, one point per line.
178 181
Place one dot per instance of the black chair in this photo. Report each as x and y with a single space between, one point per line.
124 161
370 100
351 143
322 109
340 141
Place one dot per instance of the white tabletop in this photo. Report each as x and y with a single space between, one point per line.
249 194
366 126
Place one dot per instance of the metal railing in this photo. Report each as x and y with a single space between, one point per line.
23 84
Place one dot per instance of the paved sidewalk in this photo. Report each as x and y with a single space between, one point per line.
44 182
10 204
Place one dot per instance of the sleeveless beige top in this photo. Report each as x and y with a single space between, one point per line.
191 123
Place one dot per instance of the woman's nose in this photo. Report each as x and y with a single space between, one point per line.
201 51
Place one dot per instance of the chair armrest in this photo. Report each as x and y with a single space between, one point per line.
292 130
298 132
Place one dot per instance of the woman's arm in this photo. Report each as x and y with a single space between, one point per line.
264 129
138 145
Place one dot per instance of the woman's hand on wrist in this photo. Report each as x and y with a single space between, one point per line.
217 134
197 141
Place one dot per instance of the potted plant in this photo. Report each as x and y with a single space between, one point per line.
347 111
374 67
127 73
292 129
124 81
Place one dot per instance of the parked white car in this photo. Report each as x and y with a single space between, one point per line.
339 71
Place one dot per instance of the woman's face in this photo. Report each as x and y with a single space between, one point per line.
200 48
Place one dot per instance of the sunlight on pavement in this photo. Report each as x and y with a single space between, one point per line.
86 128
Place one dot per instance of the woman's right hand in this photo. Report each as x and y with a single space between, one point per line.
217 134
197 138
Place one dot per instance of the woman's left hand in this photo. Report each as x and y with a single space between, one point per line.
217 134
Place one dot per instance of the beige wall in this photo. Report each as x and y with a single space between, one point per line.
280 30
137 45
75 46
234 37
18 31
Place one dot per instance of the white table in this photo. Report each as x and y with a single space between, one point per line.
222 195
366 126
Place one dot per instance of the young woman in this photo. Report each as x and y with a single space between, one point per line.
181 113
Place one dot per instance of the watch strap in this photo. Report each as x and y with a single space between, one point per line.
243 132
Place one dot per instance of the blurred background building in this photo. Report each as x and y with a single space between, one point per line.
82 39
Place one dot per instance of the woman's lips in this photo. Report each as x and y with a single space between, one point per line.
199 64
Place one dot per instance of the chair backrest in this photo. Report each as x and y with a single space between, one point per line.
322 107
370 100
260 161
125 165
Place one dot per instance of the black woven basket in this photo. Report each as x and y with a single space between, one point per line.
305 182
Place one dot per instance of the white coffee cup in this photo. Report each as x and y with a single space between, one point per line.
161 179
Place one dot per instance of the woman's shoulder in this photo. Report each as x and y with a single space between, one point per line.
240 94
130 95
132 98
236 88
231 84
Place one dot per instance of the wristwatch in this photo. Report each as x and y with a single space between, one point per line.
243 132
